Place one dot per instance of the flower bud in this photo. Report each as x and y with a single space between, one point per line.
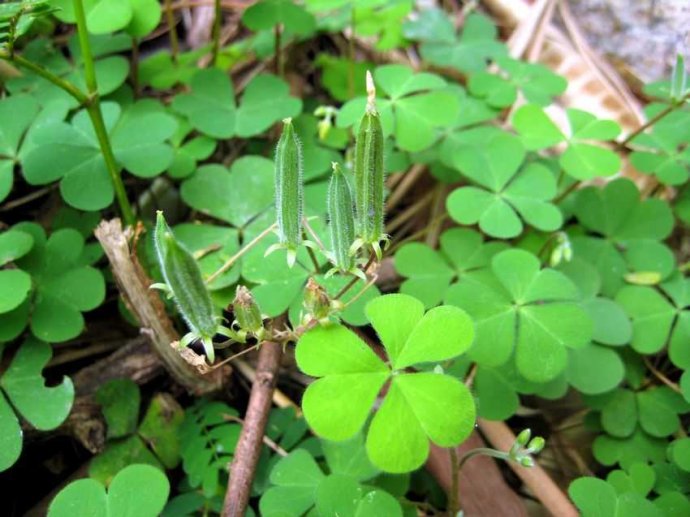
316 300
523 437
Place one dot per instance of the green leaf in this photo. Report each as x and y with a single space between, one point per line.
607 375
71 153
15 286
680 453
10 435
494 166
217 244
235 196
210 107
266 14
160 428
581 160
430 272
139 490
17 113
597 498
422 406
117 455
470 52
64 284
119 400
14 244
511 314
416 105
43 407
111 71
297 477
349 458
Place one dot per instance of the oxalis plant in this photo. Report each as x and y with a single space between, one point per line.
420 401
433 241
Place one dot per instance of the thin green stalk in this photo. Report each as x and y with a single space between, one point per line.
351 56
217 18
656 118
279 54
134 69
47 75
93 107
172 31
482 451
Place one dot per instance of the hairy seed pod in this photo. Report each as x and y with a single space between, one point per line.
316 301
289 188
183 277
247 312
341 218
368 168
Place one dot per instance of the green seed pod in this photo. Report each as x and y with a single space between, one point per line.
341 218
316 301
247 312
183 278
289 188
368 168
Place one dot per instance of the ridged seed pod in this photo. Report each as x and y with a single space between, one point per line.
289 188
368 168
341 218
247 312
183 277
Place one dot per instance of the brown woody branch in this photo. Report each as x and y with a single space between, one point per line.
149 310
249 445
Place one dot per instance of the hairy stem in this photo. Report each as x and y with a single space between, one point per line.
229 263
93 107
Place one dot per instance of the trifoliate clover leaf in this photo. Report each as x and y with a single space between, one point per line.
65 285
266 14
300 486
71 153
470 52
211 108
581 160
236 196
111 73
630 229
416 104
659 318
154 441
597 498
663 152
522 310
497 390
17 113
160 71
504 190
137 17
461 133
611 324
655 410
140 490
421 406
638 447
430 272
188 150
432 24
23 386
536 82
335 76
212 246
639 478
